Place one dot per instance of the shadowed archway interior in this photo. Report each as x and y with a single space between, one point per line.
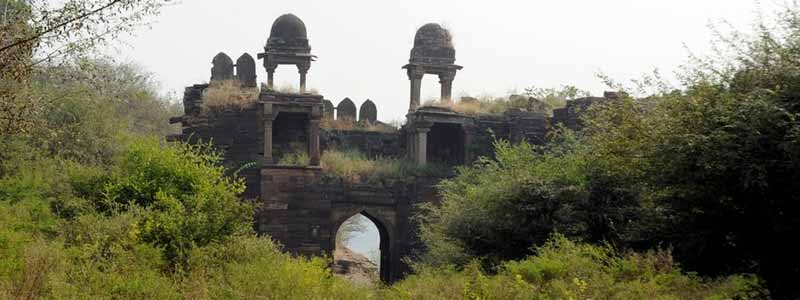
372 234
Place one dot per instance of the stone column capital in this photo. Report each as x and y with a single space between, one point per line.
303 68
270 66
415 72
447 77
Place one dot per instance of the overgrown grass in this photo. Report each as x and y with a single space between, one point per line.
227 94
345 125
563 269
533 99
293 89
355 167
294 159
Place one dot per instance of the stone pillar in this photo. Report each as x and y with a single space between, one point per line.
446 81
302 82
271 78
422 145
268 119
303 69
313 142
411 145
415 76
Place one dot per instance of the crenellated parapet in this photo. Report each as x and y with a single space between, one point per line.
223 68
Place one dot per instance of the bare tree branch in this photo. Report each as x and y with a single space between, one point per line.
60 25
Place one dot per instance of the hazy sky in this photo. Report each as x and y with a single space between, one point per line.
503 45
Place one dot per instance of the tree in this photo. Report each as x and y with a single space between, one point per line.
39 31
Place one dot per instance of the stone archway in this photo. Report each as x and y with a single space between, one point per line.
385 241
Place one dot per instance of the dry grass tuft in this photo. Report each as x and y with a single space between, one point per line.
39 261
292 89
227 94
354 167
484 105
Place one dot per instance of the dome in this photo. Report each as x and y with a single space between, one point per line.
288 31
433 35
433 44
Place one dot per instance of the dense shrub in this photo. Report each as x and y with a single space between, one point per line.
562 269
162 222
497 208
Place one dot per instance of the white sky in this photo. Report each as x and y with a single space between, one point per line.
503 45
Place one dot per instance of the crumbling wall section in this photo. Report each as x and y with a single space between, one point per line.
570 115
238 133
525 125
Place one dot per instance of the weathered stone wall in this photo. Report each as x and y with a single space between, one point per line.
371 143
238 133
529 126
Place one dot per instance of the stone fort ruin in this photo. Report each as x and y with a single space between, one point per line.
300 206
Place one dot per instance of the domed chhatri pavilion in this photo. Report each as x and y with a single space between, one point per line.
433 53
302 206
287 45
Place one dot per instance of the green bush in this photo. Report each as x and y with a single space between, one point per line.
563 269
162 222
187 198
497 208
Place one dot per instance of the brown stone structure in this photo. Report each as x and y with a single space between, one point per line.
433 53
287 45
301 206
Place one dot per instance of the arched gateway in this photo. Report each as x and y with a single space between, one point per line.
304 210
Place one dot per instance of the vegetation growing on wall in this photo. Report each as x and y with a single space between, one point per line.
346 125
533 99
354 167
229 94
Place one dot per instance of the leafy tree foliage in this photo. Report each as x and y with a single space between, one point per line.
710 171
40 31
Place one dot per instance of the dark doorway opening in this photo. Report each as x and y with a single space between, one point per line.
446 144
289 136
